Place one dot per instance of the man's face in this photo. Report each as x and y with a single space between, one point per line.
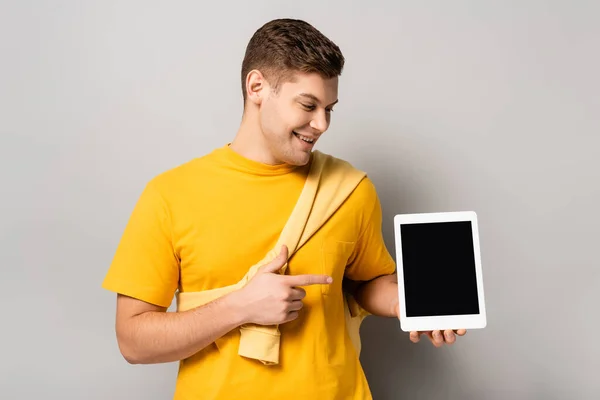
293 119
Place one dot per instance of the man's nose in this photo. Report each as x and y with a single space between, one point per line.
320 122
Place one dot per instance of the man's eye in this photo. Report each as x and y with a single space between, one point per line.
308 107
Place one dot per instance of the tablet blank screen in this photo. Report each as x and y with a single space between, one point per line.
439 269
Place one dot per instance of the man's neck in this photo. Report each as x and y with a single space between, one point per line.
250 143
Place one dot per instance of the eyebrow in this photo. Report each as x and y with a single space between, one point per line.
314 98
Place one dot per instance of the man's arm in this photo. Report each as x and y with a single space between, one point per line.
147 334
380 297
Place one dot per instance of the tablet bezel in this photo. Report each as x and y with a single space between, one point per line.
470 321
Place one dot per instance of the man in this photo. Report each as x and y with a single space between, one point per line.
202 225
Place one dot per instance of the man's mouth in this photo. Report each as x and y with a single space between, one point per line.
304 138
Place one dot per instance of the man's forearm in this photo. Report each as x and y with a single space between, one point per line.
379 296
160 337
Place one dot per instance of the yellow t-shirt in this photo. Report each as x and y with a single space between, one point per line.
203 224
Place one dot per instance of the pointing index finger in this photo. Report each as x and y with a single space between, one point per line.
308 279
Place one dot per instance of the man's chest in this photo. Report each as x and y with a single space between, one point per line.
217 245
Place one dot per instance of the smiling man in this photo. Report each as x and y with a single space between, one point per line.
262 327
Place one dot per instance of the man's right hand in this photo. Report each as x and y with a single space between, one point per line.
270 298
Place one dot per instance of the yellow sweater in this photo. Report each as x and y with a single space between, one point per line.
329 183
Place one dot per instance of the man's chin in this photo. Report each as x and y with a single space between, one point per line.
299 159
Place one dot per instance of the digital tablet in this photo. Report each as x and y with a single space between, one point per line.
440 284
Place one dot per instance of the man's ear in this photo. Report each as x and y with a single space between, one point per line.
256 87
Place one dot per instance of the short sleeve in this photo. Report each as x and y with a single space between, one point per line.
145 265
370 258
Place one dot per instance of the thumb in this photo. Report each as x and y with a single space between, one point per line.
278 262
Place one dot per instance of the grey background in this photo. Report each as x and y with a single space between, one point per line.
466 105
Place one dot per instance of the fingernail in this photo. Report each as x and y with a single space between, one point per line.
329 279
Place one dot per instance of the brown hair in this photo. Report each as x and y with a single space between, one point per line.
283 47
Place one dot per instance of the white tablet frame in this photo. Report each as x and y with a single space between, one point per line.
472 321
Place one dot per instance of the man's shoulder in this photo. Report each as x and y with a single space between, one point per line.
335 160
365 193
175 174
187 173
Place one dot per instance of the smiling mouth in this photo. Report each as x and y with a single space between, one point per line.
304 138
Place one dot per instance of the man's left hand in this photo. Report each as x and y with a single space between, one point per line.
437 338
